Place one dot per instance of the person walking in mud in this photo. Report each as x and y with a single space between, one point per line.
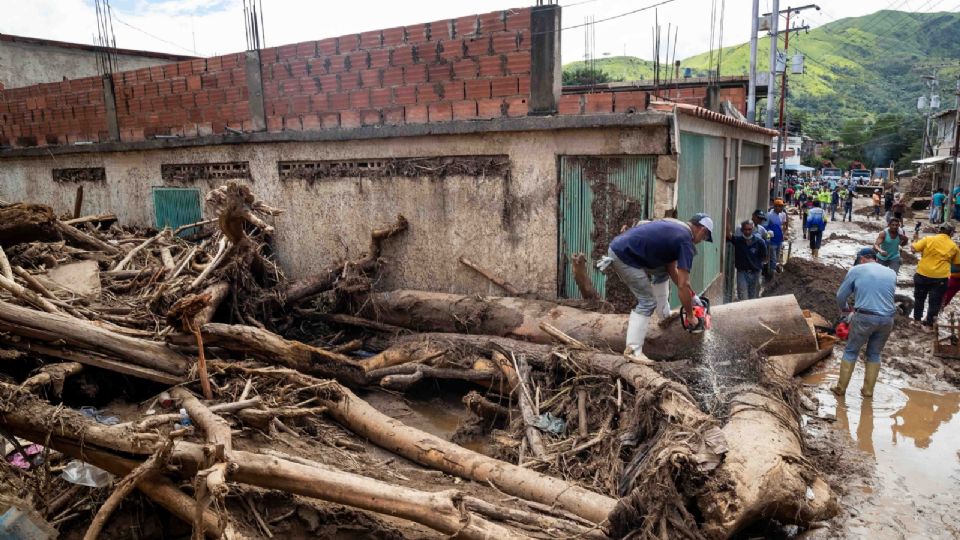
937 253
778 225
816 222
888 245
848 205
899 208
646 258
750 258
873 287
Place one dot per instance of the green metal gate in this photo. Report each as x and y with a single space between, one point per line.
174 207
599 195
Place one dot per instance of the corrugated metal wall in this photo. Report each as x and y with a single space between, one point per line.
585 213
701 182
174 207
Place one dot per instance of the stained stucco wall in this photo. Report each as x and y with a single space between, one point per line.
507 224
24 64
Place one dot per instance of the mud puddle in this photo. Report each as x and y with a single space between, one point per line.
912 437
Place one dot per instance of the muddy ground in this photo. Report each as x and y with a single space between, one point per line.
895 458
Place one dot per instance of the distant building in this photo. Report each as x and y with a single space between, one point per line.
25 60
792 152
943 128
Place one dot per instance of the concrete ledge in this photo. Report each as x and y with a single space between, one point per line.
527 123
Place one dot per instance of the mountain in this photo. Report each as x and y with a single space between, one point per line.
855 68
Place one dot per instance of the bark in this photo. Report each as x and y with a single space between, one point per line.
402 354
582 277
54 374
773 325
53 327
275 349
517 380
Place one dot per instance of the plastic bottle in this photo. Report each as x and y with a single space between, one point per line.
184 418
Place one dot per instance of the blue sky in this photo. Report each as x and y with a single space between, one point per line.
216 26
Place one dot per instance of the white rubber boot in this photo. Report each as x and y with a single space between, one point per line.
661 291
636 333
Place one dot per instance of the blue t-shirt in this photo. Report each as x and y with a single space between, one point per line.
748 257
938 199
656 244
872 285
775 225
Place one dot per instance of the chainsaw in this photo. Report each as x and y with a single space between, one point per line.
701 311
841 330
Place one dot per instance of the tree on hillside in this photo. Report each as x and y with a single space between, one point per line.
583 75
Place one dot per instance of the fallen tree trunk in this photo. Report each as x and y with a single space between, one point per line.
21 223
53 327
774 325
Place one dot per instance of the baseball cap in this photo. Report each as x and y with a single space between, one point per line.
760 214
865 252
704 221
777 202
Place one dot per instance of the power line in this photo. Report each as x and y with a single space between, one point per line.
612 17
125 23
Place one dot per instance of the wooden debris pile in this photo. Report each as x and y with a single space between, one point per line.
241 408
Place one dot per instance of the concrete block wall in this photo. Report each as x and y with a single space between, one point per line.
471 67
53 113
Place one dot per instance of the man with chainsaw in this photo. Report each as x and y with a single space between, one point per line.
872 286
646 258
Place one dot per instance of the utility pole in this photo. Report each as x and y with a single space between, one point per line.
752 91
772 74
782 131
926 105
956 143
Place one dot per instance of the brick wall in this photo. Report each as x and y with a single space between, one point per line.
189 98
53 113
471 67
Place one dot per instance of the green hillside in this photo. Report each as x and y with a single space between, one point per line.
856 68
619 68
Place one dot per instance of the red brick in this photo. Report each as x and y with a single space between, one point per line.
348 44
477 89
292 123
359 60
504 42
464 110
518 63
318 102
381 97
371 40
492 22
339 63
405 95
311 121
307 49
598 103
370 78
370 118
453 91
570 104
429 93
415 114
330 120
317 66
350 119
360 99
490 108
440 112
451 49
392 76
169 71
338 102
283 52
327 47
465 69
518 19
625 102
479 46
401 56
491 66
394 36
274 123
298 67
524 81
505 86
415 74
441 30
517 106
392 115
156 72
418 33
349 81
379 58
466 25
300 104
523 40
439 72
330 83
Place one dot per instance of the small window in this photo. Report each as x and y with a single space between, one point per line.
80 174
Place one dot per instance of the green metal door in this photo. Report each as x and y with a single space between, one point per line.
599 195
174 207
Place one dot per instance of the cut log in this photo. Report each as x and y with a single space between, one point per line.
293 354
791 365
53 327
582 277
774 325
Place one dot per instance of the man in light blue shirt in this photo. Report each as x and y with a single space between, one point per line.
872 286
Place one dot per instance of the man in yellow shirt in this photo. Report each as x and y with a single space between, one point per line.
937 253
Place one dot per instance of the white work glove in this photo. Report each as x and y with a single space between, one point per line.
604 263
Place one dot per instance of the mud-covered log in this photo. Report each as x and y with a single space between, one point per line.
53 327
581 276
775 324
21 223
